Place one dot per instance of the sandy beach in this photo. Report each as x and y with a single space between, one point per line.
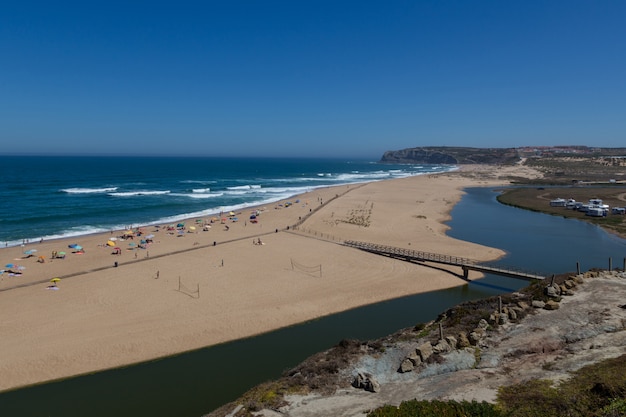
200 288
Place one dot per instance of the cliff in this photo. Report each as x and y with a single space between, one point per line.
452 155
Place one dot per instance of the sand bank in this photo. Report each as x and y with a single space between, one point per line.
199 288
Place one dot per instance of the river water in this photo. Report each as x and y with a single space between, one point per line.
196 383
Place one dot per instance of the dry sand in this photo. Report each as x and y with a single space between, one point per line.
184 292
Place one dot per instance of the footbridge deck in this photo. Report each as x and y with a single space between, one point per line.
465 264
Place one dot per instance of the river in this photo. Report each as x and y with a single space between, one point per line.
195 383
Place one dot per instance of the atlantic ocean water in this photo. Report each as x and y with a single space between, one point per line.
46 197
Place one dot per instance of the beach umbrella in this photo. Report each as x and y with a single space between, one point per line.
73 245
55 280
30 252
10 266
192 228
78 247
113 238
61 253
110 243
149 236
132 244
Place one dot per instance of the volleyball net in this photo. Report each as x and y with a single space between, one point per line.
193 293
315 270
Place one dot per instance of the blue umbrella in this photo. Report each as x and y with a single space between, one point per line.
30 251
9 265
78 247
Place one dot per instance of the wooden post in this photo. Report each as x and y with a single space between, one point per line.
624 267
578 268
440 331
466 272
552 280
610 264
499 305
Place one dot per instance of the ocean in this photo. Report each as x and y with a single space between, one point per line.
48 197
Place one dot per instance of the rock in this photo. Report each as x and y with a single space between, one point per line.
424 351
552 291
463 341
523 305
475 337
441 347
538 304
366 382
570 283
451 341
406 366
551 305
482 324
414 358
372 385
512 315
503 318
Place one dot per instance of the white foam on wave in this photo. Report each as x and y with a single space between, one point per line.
138 193
244 187
198 195
89 190
201 190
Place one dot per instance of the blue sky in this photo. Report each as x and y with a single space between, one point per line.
309 78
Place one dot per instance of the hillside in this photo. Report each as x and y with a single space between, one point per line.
452 155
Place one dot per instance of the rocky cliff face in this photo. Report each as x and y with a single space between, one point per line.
452 155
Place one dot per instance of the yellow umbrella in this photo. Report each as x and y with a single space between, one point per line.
192 228
110 243
55 280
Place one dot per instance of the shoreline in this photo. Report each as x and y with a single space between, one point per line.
115 317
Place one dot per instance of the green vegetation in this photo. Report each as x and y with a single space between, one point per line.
538 199
597 390
594 391
416 408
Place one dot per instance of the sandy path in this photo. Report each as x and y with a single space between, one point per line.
115 316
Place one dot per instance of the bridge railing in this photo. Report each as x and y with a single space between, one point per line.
435 257
417 255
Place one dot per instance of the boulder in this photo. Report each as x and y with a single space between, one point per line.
463 341
424 351
538 304
451 341
552 291
414 358
366 381
441 347
551 305
406 366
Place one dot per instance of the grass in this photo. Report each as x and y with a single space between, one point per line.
538 199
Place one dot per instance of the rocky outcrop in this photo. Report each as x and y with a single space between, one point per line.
452 155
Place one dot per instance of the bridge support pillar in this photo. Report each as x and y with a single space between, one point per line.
465 273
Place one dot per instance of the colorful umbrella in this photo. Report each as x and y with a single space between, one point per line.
110 243
30 252
55 280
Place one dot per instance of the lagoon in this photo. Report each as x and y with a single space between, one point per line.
195 383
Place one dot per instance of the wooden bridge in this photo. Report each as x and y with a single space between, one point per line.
418 256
